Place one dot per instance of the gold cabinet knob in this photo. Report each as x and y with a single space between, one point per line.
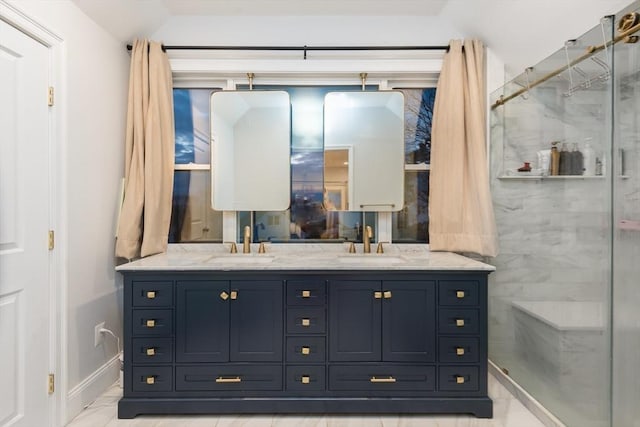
305 350
234 295
151 351
387 294
306 322
151 323
151 380
306 294
459 380
151 294
224 295
305 379
459 294
377 295
459 323
459 351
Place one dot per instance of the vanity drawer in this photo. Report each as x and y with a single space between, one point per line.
306 292
458 321
152 350
152 378
305 349
458 378
229 377
458 349
152 294
387 378
305 378
152 322
307 320
458 292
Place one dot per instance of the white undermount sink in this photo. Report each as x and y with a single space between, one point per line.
370 259
241 260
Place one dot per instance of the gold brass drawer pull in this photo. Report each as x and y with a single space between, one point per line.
459 323
377 295
459 380
151 323
151 351
306 294
306 322
305 379
151 294
234 294
305 350
459 294
151 380
224 296
228 380
382 380
387 294
459 351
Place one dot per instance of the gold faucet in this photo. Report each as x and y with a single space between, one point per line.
368 234
246 245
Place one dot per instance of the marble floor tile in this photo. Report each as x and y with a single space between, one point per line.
508 412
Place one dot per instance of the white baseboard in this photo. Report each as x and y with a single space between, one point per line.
92 387
529 402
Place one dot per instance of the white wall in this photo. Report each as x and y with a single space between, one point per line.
91 95
306 30
524 32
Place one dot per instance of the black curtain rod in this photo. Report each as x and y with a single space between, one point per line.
304 49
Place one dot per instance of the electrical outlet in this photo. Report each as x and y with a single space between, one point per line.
98 337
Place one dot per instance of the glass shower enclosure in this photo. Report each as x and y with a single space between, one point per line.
565 175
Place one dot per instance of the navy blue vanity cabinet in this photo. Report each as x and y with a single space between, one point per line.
390 321
269 341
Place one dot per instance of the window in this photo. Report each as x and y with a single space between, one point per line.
193 220
411 224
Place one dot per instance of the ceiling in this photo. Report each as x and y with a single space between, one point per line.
302 7
519 32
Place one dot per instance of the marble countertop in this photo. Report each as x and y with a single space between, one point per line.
311 257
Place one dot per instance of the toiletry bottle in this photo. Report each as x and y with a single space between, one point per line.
576 160
598 166
565 160
588 159
555 159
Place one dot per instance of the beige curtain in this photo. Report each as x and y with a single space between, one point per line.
460 209
149 154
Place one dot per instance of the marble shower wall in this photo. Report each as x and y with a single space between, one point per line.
554 237
554 233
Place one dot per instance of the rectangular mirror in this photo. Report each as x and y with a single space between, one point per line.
250 150
364 151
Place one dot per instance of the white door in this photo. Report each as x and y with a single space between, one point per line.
24 223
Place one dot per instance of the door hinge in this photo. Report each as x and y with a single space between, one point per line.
52 383
50 96
52 240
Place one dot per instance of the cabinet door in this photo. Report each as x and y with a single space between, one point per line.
408 321
354 320
202 321
256 321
